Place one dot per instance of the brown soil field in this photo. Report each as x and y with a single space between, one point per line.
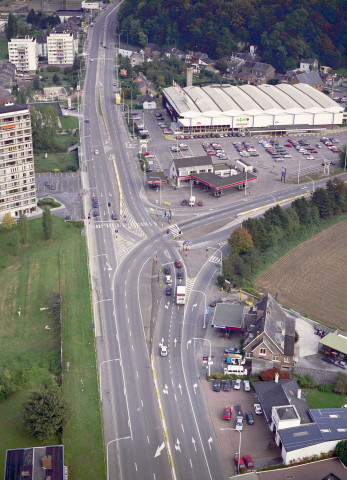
312 278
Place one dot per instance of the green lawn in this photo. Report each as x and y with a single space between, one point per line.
31 341
68 123
64 141
3 48
317 399
63 161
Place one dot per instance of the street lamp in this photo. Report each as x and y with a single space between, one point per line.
204 294
312 182
209 341
238 465
159 184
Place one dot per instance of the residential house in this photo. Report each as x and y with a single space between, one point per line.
328 469
90 6
327 79
146 87
137 58
5 96
289 76
234 66
60 48
308 64
152 50
264 72
140 77
324 69
147 101
269 337
253 57
22 52
311 78
126 50
35 463
7 74
175 53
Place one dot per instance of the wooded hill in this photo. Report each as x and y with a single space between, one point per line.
284 30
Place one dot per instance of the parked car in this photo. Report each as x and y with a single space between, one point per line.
248 461
239 463
227 385
217 385
232 350
237 385
214 302
174 148
149 155
328 360
257 409
200 203
227 413
184 203
247 386
249 418
96 152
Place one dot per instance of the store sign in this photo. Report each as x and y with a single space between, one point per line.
242 122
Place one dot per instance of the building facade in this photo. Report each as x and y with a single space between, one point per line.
17 175
22 52
60 49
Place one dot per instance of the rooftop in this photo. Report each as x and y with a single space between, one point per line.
321 470
13 108
337 342
37 463
228 315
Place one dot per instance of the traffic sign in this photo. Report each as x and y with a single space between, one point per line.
205 359
207 310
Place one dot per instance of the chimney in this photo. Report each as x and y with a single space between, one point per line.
276 377
299 393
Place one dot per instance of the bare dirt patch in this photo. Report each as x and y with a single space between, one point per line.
312 278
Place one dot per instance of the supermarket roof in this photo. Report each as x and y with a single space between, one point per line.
337 342
227 100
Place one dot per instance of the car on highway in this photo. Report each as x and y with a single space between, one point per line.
257 408
248 461
237 385
239 463
232 350
217 385
227 385
227 413
214 302
96 152
163 351
249 418
166 270
168 279
168 291
180 275
178 264
246 385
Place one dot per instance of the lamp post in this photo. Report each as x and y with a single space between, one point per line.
159 184
204 294
312 183
238 464
206 340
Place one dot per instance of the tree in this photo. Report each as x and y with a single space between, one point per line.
47 225
221 65
23 225
8 222
323 203
302 208
44 127
21 97
11 29
55 79
23 29
37 83
15 243
341 451
343 156
240 241
46 412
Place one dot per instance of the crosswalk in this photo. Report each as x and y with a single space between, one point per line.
130 224
215 259
122 247
174 229
189 285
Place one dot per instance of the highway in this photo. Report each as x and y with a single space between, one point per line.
156 425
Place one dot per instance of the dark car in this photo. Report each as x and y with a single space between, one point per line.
47 184
217 385
249 418
114 216
232 350
166 270
168 291
214 302
200 203
184 203
96 213
227 386
180 275
328 360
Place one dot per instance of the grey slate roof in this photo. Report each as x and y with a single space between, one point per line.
144 98
311 78
272 394
192 161
332 422
13 108
227 315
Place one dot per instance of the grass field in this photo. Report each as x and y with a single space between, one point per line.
317 399
63 161
68 123
312 277
30 341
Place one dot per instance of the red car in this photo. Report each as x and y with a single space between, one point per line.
227 413
95 198
178 264
314 151
184 149
248 461
240 465
288 145
336 150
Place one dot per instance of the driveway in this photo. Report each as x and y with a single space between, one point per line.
256 440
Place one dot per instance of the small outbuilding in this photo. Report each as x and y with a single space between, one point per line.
228 316
334 342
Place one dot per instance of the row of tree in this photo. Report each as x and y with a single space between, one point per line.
250 242
38 21
284 30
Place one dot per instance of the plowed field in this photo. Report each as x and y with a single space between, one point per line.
312 278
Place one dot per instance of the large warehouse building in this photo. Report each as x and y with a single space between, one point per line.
262 109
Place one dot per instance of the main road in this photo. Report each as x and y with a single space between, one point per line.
156 425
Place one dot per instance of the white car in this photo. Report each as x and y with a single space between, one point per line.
237 385
163 351
168 279
149 155
174 148
96 152
257 409
247 385
310 157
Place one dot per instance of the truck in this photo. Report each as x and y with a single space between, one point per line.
192 201
181 295
235 370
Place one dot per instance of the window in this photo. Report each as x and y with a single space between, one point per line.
262 351
275 358
286 359
249 354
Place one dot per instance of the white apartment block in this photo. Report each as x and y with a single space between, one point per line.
60 48
22 52
17 175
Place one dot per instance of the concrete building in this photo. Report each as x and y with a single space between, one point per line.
41 46
17 175
60 48
254 109
308 64
22 52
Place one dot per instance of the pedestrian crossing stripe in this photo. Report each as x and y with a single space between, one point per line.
175 229
214 259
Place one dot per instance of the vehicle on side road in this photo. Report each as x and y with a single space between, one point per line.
168 291
239 463
214 302
178 264
232 350
168 280
180 275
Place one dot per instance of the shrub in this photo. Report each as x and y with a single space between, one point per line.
305 381
270 374
77 223
340 383
53 68
326 387
48 201
68 70
341 451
